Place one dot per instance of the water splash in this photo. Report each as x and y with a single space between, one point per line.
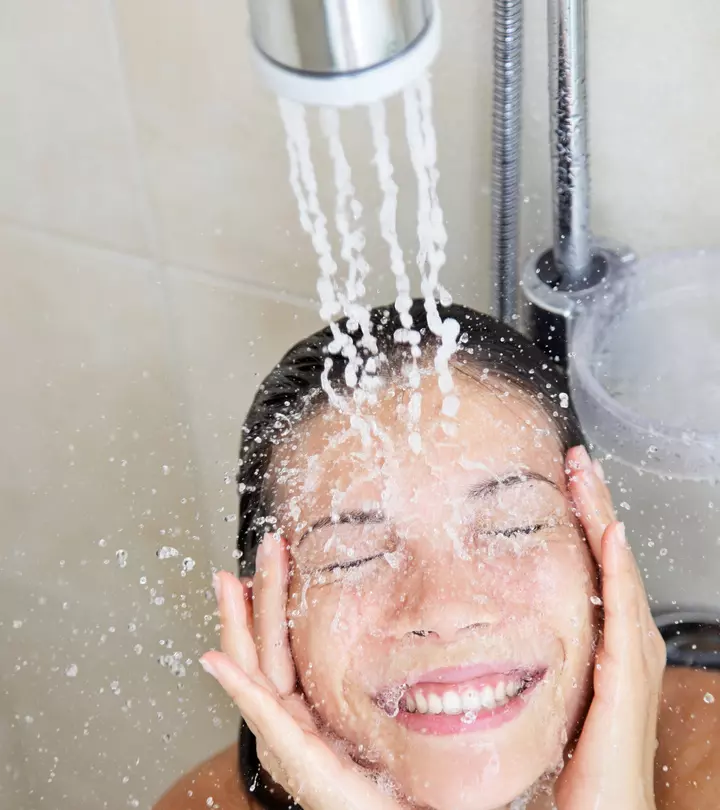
432 235
363 364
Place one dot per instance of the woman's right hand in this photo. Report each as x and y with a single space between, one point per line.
256 669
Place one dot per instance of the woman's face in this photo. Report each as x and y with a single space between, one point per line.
440 603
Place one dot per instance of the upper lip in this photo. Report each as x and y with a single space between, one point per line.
469 672
466 672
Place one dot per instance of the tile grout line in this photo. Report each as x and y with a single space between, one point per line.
175 351
140 178
206 276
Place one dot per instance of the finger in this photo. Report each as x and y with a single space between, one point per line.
306 765
258 705
236 637
270 610
623 631
598 468
591 498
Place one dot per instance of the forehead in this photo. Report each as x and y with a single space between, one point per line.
497 430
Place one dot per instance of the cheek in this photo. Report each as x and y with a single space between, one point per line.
329 627
567 585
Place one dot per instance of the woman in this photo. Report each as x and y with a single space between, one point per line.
456 626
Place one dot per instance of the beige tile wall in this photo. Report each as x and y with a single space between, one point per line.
153 270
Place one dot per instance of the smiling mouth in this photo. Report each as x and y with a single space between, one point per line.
460 692
470 697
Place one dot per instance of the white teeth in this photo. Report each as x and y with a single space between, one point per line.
471 701
451 703
487 696
435 704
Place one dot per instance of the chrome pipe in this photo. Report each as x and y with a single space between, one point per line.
507 131
572 249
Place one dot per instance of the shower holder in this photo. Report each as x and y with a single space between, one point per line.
552 292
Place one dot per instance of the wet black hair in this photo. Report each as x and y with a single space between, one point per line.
293 390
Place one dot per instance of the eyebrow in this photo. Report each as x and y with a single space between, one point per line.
482 490
490 487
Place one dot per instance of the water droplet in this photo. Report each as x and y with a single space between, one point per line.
121 556
625 505
166 469
415 441
564 401
188 564
596 600
709 698
72 671
166 552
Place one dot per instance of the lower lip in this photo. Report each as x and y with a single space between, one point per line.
446 724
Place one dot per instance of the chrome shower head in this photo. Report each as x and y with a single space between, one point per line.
343 52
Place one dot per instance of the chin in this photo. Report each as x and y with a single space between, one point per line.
472 780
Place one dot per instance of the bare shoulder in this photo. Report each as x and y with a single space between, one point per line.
687 775
217 778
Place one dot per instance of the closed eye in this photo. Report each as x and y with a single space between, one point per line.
518 530
350 564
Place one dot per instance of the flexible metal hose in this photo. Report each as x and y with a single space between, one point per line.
507 131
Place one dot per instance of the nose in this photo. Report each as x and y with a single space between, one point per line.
447 632
445 603
447 621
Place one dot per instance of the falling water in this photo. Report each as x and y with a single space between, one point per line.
432 236
348 208
388 218
388 229
314 223
431 257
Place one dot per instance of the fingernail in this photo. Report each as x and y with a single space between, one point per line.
217 586
208 667
621 536
597 466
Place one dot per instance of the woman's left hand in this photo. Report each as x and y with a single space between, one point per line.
612 765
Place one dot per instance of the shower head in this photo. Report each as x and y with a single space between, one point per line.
342 53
